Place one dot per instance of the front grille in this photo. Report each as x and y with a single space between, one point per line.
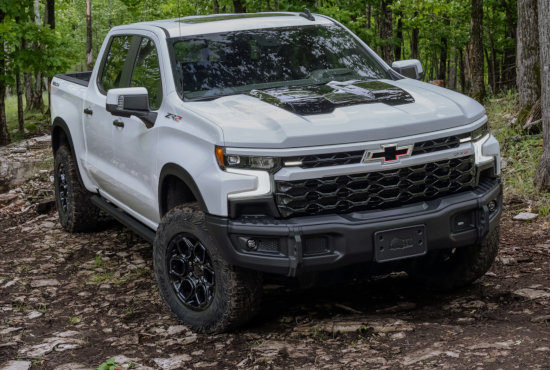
435 145
374 190
354 157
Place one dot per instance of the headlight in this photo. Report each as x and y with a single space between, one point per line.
480 132
246 162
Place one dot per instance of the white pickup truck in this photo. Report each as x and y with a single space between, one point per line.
246 146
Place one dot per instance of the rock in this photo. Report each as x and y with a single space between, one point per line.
421 355
452 354
176 329
9 330
34 315
209 365
543 318
173 362
17 365
7 198
465 320
542 349
403 306
45 206
44 283
497 345
525 216
532 293
398 335
72 366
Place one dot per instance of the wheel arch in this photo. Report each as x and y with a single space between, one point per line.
61 135
172 172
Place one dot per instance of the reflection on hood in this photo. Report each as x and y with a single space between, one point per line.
319 99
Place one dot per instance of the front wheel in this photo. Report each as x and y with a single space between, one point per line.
195 282
447 269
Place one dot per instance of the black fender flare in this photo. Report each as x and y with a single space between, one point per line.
60 124
179 172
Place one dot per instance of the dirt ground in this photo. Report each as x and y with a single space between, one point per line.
73 301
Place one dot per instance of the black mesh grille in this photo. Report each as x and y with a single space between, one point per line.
435 145
372 190
330 159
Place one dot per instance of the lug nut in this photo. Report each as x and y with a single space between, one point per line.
251 244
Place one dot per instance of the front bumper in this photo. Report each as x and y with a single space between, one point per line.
327 242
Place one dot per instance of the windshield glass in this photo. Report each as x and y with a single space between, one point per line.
213 65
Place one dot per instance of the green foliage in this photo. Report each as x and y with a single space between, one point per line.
110 364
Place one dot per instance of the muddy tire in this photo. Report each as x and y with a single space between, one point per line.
445 269
75 209
195 282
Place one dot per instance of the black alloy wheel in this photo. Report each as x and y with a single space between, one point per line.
191 271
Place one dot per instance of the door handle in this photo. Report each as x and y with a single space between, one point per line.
118 123
88 111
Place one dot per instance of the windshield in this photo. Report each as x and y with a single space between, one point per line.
213 65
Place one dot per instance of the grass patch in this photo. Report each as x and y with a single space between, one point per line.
102 277
521 153
36 123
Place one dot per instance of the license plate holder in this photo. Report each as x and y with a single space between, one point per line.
400 243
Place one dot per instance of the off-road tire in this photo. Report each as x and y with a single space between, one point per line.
444 270
236 292
77 213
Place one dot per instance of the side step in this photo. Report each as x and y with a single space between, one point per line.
124 218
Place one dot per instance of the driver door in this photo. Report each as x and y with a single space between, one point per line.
135 145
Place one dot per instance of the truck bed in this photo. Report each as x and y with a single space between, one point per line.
81 78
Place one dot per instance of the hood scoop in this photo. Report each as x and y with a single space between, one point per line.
322 99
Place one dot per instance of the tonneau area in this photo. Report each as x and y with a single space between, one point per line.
81 78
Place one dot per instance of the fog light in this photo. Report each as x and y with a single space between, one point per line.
251 244
492 206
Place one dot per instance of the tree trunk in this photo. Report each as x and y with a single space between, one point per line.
508 76
34 86
528 57
443 57
275 5
386 30
238 6
4 133
542 175
452 69
414 40
49 18
216 7
399 37
476 66
369 16
19 92
89 57
462 71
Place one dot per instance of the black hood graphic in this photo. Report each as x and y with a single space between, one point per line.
319 99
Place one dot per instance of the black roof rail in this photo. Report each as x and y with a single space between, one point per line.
307 15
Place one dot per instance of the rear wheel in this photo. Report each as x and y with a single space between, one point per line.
447 269
199 287
75 209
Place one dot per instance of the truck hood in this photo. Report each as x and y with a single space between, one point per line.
337 113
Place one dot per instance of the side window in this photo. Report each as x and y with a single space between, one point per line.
147 72
111 77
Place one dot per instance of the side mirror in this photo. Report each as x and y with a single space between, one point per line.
411 68
131 101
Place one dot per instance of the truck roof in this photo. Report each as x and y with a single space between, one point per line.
204 24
